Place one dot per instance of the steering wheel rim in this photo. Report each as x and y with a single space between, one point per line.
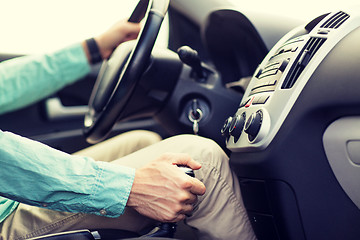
106 109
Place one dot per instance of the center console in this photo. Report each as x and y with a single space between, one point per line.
290 135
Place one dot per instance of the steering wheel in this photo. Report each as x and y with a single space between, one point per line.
120 74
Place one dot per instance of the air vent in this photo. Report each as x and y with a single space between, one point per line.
336 20
308 52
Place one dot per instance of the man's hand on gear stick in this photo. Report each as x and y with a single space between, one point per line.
162 191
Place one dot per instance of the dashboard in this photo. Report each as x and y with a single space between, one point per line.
294 137
279 80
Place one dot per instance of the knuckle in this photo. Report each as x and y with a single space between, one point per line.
171 217
167 216
188 208
183 196
186 184
165 157
192 200
168 219
180 217
177 208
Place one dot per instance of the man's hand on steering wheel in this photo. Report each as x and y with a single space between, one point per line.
120 32
120 75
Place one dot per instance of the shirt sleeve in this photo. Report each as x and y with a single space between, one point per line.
35 174
25 80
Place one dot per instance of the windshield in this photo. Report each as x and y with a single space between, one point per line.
38 26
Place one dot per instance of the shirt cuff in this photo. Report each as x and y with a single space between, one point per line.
111 189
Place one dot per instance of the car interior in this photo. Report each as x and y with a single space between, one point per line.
278 94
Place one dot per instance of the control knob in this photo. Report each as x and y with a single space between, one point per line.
253 125
237 126
226 126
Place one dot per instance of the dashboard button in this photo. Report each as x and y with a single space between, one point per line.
261 99
248 103
284 65
245 102
259 73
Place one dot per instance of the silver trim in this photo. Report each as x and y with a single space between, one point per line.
55 110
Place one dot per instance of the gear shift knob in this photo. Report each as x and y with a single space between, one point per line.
187 170
190 57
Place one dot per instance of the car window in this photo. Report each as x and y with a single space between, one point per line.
37 26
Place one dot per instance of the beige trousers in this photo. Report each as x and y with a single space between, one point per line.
220 213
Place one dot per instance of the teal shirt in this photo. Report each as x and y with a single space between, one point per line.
35 174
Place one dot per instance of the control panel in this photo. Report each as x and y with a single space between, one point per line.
251 123
278 81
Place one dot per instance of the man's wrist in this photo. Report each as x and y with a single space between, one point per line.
93 51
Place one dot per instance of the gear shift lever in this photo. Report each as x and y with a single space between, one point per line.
191 58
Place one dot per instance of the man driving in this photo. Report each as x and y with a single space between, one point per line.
130 182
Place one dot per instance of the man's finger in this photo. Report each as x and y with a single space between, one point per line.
197 187
192 199
187 209
186 160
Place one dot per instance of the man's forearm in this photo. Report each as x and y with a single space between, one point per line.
38 175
